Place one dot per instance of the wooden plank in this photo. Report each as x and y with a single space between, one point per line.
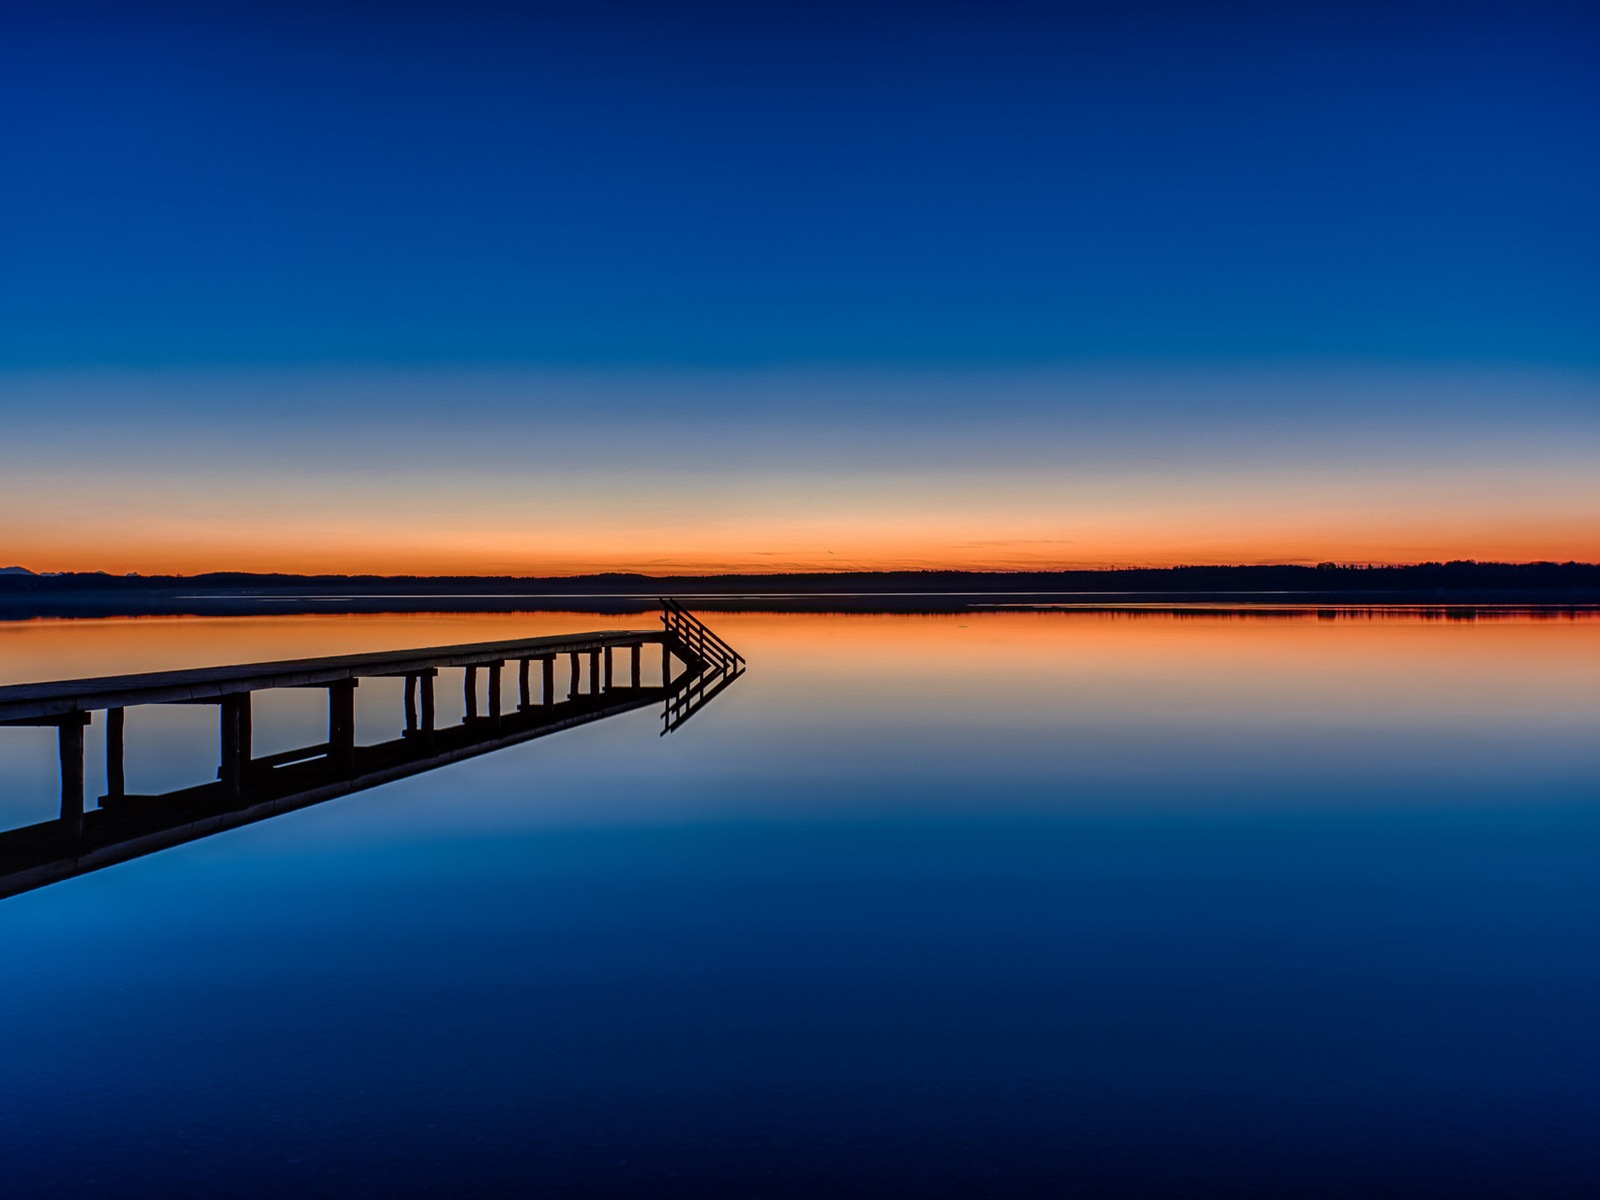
29 701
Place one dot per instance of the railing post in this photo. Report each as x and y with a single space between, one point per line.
572 690
547 673
411 703
636 655
524 697
609 669
470 692
594 672
494 692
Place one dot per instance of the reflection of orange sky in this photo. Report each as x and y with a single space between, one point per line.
833 703
1287 652
1509 664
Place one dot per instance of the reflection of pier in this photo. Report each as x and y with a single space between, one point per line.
249 788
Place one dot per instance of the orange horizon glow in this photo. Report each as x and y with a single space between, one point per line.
611 477
384 553
971 522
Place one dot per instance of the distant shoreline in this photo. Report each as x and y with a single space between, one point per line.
1532 586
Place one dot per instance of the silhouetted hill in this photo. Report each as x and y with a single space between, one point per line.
1452 582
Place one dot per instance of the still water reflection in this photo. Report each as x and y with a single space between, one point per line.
992 903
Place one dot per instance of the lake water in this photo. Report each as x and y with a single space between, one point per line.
989 904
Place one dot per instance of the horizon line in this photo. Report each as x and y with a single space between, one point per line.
19 572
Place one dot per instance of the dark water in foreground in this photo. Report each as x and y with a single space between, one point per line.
994 904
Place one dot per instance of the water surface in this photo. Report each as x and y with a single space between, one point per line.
1000 904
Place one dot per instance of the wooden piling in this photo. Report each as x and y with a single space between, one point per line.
425 682
70 747
233 719
116 780
342 723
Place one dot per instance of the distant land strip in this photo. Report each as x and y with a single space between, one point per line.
24 594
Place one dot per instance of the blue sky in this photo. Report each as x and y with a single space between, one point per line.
747 184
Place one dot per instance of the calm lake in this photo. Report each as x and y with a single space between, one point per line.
989 904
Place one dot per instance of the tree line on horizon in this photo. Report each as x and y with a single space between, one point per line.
1326 576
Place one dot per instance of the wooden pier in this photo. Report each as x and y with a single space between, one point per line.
695 666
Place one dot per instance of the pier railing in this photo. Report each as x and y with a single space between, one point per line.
693 633
250 787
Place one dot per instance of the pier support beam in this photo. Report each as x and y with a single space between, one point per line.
609 669
469 692
494 692
577 675
524 696
235 738
547 673
594 672
70 746
116 779
342 724
420 723
637 655
425 681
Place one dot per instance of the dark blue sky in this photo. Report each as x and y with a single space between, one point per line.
707 185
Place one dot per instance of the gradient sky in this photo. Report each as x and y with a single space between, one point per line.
548 288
